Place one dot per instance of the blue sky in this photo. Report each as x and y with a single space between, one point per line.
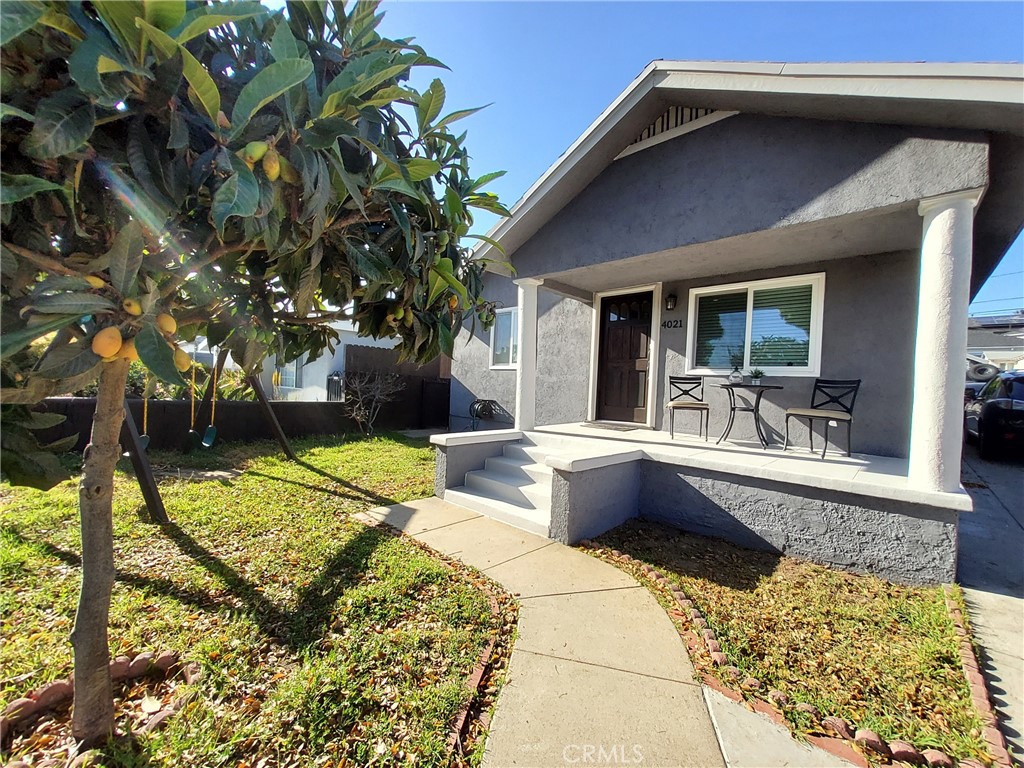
548 69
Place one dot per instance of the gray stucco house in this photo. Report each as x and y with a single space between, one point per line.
812 220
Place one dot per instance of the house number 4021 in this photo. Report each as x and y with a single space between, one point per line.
672 324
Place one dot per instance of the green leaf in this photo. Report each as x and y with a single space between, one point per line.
486 179
203 24
120 16
79 303
64 122
205 89
63 445
420 168
430 105
68 360
164 14
17 16
13 342
455 116
126 257
308 282
446 339
72 384
84 66
35 390
57 20
35 469
283 44
487 202
268 84
156 354
238 196
15 187
37 420
437 286
349 181
490 240
6 110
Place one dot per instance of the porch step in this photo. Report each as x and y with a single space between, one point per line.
515 489
528 453
527 518
540 473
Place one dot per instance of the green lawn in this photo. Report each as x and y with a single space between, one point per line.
880 655
321 639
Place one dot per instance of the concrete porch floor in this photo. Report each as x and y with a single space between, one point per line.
880 476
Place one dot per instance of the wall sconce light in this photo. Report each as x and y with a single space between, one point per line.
670 302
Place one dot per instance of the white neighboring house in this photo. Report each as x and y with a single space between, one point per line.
300 380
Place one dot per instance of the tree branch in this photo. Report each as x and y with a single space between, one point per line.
47 263
290 319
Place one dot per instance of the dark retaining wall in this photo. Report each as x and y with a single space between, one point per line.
423 403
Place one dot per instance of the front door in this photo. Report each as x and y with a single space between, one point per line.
623 357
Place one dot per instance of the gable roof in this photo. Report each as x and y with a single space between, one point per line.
987 97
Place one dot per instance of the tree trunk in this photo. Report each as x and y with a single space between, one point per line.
93 714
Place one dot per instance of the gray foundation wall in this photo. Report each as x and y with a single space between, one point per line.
593 501
901 542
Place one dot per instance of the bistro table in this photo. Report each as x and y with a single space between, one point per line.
759 390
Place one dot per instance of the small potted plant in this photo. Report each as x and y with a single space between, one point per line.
755 376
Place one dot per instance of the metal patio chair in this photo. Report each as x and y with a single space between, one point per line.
831 400
686 393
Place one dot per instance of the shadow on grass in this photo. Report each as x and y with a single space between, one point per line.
296 628
699 557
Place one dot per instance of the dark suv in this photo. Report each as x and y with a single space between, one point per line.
995 417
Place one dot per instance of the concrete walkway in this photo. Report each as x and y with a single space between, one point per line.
991 571
598 674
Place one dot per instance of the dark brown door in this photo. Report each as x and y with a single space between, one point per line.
623 357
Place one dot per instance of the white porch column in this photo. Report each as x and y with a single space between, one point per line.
526 371
936 428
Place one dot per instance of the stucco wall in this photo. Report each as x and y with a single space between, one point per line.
747 174
906 543
868 332
563 360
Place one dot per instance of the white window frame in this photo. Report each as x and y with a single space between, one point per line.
513 342
281 367
813 369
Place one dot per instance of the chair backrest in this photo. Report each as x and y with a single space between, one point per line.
691 387
835 394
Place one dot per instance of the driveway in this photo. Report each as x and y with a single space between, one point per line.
991 571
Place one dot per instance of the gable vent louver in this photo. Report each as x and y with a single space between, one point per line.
673 117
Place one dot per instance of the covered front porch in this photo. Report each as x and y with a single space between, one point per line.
895 321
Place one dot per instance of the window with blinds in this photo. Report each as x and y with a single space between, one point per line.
773 325
780 327
721 330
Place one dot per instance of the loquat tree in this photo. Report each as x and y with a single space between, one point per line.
174 169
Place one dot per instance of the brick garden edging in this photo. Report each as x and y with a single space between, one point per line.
979 690
701 642
58 692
